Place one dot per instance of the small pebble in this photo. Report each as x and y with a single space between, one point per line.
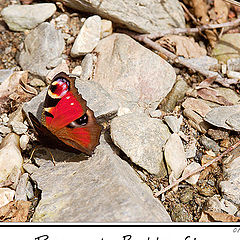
208 143
29 190
14 177
70 40
4 130
228 207
5 119
24 139
19 127
217 134
106 28
21 188
191 167
6 196
173 122
155 113
77 70
3 115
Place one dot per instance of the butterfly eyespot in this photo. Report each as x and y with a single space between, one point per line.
82 121
59 88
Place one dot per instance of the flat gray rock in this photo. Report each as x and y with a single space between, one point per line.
23 17
230 187
174 155
103 188
141 138
132 73
42 50
97 98
225 117
141 16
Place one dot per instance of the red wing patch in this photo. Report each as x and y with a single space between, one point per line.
67 110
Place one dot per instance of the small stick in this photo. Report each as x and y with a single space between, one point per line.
233 2
175 183
189 14
177 31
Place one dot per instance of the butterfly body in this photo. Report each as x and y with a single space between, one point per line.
67 122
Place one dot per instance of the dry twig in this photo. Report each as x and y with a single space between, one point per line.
175 183
176 31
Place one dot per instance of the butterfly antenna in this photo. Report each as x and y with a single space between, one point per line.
33 151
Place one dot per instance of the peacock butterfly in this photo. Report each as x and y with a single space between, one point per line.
66 122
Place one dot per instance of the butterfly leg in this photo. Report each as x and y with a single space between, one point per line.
33 151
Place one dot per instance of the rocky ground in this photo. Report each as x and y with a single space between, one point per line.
161 119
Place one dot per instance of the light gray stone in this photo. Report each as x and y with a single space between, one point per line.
228 207
24 139
225 117
5 73
87 67
230 94
42 50
204 62
174 123
174 155
14 177
4 130
230 187
21 193
19 127
10 156
6 196
141 138
102 189
191 149
226 48
88 37
209 144
131 72
190 168
143 16
231 191
23 17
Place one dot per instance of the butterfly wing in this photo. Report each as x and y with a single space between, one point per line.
67 117
46 137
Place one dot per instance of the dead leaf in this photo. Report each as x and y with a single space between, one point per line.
196 105
182 46
204 217
200 10
212 37
15 211
221 9
27 88
222 217
207 82
212 95
16 88
9 85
